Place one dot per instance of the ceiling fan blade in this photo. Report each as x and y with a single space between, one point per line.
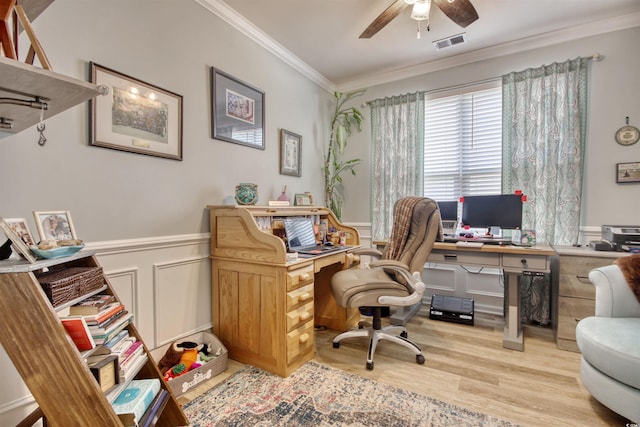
384 18
461 12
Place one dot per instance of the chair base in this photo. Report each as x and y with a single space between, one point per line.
377 333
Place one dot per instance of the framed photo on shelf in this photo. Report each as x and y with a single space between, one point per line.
237 110
628 172
20 227
54 225
303 199
18 244
290 153
135 116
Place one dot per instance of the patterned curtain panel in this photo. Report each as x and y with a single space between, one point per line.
397 125
544 131
535 299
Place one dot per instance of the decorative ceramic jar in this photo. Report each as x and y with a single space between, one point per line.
247 193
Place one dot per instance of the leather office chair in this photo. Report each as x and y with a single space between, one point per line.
395 279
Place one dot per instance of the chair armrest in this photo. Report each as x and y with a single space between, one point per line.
413 284
367 251
614 297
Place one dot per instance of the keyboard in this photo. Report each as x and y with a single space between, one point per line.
315 250
469 244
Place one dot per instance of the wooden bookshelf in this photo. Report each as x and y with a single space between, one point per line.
47 360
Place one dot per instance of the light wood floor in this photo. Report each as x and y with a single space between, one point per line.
467 366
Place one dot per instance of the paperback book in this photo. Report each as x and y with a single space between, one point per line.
79 332
104 314
137 397
92 305
101 338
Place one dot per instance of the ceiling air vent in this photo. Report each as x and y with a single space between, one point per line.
450 41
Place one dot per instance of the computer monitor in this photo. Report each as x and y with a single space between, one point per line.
448 210
501 210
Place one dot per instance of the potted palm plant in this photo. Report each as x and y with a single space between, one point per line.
342 121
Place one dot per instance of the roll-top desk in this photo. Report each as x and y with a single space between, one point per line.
264 307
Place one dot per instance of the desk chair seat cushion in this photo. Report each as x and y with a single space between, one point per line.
362 288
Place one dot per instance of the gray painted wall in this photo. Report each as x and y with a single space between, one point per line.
114 195
614 94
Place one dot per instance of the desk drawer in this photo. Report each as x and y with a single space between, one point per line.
465 258
300 277
299 315
525 262
578 286
299 296
299 342
570 312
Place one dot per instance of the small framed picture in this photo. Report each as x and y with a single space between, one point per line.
17 241
303 199
628 172
20 227
55 225
290 153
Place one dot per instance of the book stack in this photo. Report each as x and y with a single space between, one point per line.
130 354
141 403
91 305
104 317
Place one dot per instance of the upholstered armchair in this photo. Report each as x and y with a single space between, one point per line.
610 342
393 280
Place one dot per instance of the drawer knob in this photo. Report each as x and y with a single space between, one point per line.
523 260
305 276
305 296
304 316
304 338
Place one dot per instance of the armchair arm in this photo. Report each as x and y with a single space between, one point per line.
614 297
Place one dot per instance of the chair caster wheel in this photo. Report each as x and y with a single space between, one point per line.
370 366
420 359
404 334
336 345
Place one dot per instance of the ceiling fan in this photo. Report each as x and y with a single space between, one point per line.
461 12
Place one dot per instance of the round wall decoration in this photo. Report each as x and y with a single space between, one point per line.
627 135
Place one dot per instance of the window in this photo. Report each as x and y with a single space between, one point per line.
463 142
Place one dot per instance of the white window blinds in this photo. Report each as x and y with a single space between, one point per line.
463 142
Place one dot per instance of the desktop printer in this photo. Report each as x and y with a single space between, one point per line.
620 237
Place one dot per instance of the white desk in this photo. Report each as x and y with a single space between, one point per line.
514 261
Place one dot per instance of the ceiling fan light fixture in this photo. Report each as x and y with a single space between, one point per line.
421 9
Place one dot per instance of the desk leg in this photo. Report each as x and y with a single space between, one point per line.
512 329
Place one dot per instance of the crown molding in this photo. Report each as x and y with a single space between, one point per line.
233 18
239 22
518 46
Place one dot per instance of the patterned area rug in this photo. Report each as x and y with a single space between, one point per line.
319 395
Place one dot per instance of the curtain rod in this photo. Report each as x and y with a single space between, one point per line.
595 57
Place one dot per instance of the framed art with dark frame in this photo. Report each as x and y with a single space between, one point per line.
54 225
628 172
136 116
237 110
290 153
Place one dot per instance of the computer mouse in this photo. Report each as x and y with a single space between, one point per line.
329 244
